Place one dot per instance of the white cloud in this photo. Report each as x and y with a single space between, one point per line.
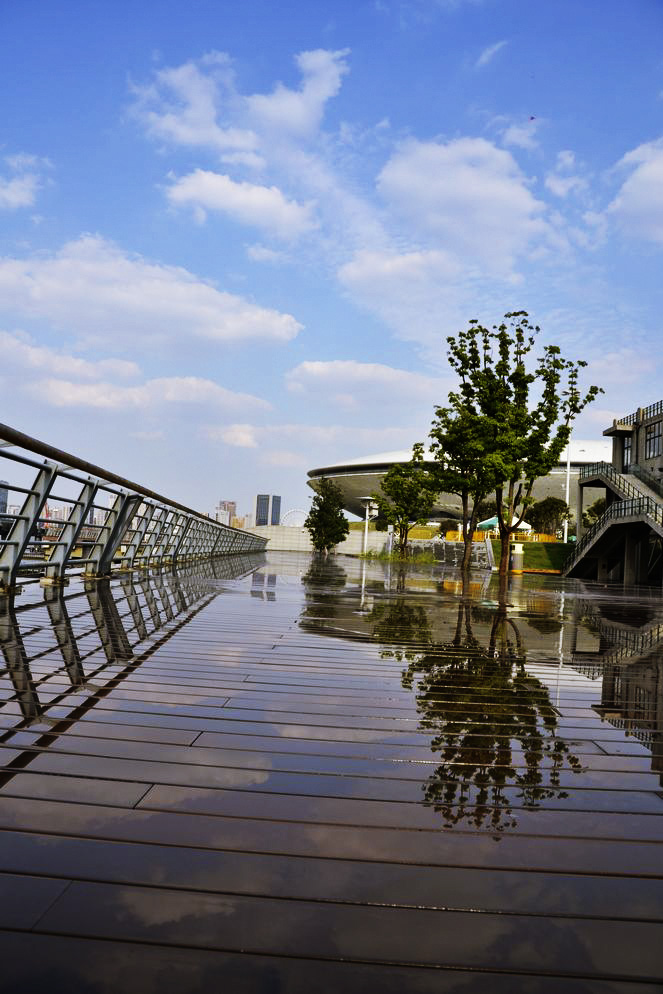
91 288
261 253
311 437
561 186
150 394
561 181
488 54
523 134
19 351
182 105
20 187
353 383
638 207
240 436
261 206
619 367
285 458
299 112
469 194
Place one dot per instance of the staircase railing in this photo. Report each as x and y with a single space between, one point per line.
609 473
653 482
634 507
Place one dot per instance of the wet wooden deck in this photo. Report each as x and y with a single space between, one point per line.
234 791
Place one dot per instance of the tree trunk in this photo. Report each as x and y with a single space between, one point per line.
468 536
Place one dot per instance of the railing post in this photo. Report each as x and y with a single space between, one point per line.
111 534
177 529
138 536
24 525
59 557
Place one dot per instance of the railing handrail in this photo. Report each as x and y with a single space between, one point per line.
607 470
645 412
620 509
67 460
647 478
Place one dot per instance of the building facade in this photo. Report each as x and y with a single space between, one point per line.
268 510
637 440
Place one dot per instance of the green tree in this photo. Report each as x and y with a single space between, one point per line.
325 522
592 514
548 515
516 413
407 497
461 437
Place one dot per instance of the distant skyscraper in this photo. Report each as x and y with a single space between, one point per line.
262 509
225 511
4 492
268 510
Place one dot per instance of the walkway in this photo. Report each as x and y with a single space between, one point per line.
228 787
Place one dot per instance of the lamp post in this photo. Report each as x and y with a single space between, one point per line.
371 507
565 532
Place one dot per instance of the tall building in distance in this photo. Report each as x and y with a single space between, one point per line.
268 510
4 493
225 511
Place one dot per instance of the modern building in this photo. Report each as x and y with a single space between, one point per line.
625 544
4 494
359 478
268 510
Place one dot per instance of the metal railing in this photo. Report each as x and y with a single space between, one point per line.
643 414
641 507
64 514
610 474
635 504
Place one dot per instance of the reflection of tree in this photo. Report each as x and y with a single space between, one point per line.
322 582
479 702
403 626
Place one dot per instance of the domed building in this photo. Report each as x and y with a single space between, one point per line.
359 478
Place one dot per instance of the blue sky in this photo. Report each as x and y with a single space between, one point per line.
234 236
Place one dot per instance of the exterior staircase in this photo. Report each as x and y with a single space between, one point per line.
639 499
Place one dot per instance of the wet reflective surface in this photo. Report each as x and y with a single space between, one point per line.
283 774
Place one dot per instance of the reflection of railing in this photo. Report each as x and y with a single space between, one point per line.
92 631
106 520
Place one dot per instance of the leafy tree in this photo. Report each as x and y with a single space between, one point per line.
461 438
407 497
592 514
548 515
494 435
325 522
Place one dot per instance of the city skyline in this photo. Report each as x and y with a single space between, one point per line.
232 253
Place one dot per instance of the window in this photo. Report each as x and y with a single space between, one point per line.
653 438
628 452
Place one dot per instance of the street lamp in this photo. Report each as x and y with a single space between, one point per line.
371 508
565 532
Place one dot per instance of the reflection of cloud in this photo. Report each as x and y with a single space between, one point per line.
152 908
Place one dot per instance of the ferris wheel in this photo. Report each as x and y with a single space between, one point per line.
294 518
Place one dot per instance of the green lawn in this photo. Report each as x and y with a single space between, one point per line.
540 555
